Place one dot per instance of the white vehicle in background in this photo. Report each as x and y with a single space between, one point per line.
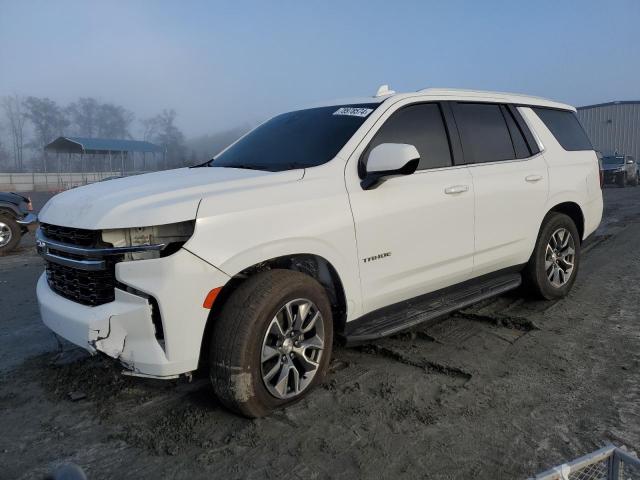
354 219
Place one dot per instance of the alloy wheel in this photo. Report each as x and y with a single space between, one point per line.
292 349
560 257
5 234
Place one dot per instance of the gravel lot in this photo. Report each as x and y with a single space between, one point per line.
504 389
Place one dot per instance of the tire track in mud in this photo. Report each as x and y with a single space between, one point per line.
426 365
499 320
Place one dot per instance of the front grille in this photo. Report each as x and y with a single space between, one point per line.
85 287
73 236
82 286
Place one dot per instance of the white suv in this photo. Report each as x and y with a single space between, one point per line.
354 219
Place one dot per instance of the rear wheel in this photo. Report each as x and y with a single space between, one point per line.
553 266
9 234
271 343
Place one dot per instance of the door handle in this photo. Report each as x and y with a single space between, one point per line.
533 178
452 190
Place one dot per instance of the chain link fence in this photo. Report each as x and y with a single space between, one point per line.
608 463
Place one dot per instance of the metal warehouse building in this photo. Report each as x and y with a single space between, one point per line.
613 127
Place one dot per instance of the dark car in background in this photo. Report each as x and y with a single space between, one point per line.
621 170
15 220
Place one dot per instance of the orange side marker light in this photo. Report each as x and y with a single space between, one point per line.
211 297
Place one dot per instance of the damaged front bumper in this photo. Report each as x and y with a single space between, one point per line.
124 328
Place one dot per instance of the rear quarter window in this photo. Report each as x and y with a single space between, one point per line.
564 125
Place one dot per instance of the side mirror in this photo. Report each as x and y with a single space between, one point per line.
389 160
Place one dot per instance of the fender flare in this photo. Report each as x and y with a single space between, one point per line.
11 207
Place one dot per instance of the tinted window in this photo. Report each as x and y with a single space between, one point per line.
419 125
532 144
484 133
565 127
300 139
613 160
517 138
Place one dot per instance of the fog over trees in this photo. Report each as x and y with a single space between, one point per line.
29 123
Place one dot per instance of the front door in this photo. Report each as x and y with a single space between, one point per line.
414 233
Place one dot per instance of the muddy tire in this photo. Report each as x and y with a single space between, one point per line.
10 234
553 266
271 343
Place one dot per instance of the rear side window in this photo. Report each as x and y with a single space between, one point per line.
484 132
565 127
419 125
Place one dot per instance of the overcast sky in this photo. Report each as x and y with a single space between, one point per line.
220 64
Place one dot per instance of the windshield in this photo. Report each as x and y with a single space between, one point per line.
613 160
300 139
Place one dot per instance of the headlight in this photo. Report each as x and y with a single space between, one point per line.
172 236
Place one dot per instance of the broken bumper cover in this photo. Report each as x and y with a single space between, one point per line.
124 329
29 221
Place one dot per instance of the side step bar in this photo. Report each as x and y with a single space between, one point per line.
400 316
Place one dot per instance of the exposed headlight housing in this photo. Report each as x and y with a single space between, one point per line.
172 236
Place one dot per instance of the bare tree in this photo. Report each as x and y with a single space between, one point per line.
149 129
12 106
162 130
4 157
89 118
83 116
48 121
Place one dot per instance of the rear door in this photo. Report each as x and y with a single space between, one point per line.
414 233
510 179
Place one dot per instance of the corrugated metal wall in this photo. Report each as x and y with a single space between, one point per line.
613 127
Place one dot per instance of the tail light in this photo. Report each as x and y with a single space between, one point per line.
601 178
600 170
29 205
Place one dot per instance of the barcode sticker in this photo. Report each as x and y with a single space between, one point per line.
353 111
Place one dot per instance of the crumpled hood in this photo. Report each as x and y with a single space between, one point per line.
153 198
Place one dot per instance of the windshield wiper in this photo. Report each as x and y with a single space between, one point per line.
246 166
250 166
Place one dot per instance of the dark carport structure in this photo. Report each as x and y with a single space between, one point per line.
104 155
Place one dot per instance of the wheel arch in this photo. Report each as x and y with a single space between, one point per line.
573 211
9 209
313 265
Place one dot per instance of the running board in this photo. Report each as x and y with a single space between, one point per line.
400 316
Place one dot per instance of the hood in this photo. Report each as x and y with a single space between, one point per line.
153 198
13 198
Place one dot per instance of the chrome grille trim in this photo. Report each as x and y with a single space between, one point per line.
44 244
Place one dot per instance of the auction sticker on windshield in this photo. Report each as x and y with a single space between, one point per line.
353 111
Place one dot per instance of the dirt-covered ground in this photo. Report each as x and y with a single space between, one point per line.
500 390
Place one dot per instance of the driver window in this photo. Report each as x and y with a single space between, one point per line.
420 125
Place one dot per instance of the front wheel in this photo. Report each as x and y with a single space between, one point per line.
271 343
553 266
9 234
621 180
